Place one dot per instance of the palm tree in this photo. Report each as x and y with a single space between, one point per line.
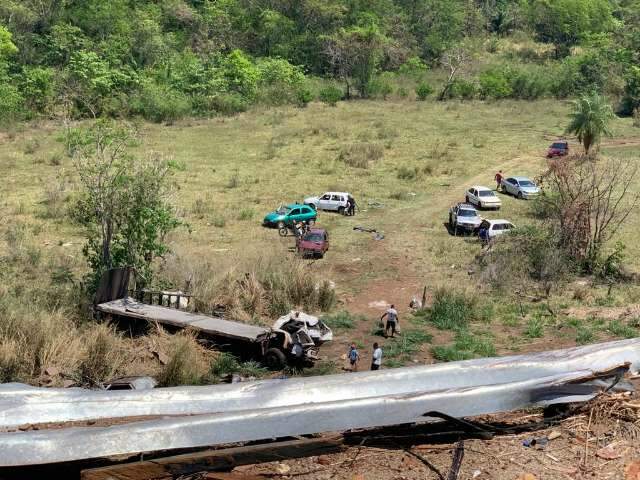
590 119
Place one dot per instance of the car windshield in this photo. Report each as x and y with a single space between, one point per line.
313 237
527 183
467 213
283 210
487 193
559 145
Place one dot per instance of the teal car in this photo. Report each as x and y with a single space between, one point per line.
288 214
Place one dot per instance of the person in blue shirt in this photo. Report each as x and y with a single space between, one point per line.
354 357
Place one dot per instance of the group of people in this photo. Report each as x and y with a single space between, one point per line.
391 324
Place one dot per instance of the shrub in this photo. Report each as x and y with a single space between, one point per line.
423 90
304 96
451 310
407 173
408 343
494 84
186 365
331 95
341 320
535 328
103 354
463 89
360 155
160 103
246 214
619 329
229 103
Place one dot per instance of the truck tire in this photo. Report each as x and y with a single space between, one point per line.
275 359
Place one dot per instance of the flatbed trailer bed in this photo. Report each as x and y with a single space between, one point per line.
205 324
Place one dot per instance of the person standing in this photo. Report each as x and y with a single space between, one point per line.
392 321
354 357
498 178
376 360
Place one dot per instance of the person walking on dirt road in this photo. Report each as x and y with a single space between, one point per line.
392 321
354 357
376 360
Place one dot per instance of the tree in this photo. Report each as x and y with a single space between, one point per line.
590 119
122 202
566 23
588 200
455 60
355 53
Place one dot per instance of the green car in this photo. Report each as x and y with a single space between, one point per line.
288 214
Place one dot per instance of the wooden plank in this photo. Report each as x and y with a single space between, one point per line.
213 460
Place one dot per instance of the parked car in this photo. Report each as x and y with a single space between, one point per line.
483 197
521 187
313 243
496 227
333 201
286 215
558 149
464 216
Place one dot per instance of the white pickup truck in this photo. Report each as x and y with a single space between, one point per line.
335 201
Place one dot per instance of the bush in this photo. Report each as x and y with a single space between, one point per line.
423 90
159 103
304 96
463 89
494 84
104 355
341 320
331 95
186 365
228 103
407 173
451 310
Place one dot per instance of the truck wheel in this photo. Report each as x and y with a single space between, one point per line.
275 359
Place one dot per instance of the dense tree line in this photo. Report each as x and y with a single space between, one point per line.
169 58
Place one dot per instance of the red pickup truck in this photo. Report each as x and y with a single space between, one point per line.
313 243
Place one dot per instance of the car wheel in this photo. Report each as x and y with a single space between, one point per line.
520 196
275 359
283 232
341 210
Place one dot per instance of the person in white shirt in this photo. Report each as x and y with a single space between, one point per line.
392 321
376 361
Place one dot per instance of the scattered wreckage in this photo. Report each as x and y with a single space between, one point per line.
273 346
196 417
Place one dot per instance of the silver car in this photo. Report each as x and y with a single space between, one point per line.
521 187
464 216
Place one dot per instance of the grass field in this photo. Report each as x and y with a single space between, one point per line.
405 162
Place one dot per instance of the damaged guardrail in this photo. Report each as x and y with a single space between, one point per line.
267 409
23 404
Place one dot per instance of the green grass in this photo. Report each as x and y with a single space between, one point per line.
535 328
620 329
342 320
451 310
356 146
400 349
466 345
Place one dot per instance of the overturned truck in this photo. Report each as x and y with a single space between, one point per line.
294 338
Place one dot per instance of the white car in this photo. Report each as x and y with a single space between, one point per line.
299 321
335 201
483 197
496 227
